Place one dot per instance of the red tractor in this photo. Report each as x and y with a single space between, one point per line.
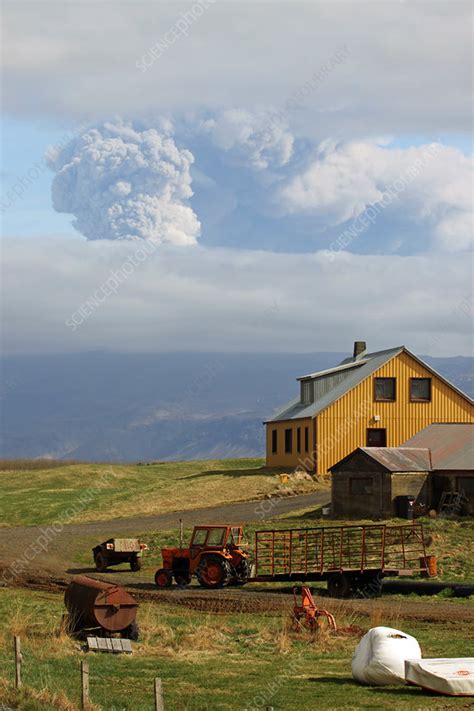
214 556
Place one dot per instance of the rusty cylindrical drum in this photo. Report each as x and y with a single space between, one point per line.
99 604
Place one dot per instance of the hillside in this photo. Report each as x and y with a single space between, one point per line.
79 492
175 406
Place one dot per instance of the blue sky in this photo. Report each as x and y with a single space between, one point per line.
364 176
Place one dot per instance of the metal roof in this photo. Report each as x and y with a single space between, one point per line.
400 459
370 363
451 445
336 369
345 379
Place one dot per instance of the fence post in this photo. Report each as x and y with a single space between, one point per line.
159 704
18 661
84 685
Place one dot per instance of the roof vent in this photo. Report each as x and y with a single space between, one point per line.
359 348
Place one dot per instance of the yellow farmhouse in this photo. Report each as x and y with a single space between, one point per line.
372 399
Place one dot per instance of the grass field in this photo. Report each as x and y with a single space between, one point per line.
105 491
208 662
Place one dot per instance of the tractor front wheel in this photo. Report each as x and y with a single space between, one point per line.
163 578
213 572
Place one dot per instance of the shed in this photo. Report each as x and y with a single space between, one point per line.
451 448
367 481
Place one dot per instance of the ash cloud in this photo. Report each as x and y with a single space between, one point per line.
124 183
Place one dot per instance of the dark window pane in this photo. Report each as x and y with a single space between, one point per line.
274 441
385 388
420 389
306 439
298 439
288 441
376 437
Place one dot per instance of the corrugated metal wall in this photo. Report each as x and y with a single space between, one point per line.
302 459
342 427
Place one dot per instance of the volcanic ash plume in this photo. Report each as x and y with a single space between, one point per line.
123 183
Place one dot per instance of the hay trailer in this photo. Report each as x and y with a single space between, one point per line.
119 550
353 560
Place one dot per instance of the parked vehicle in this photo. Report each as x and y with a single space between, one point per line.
352 559
103 608
214 556
119 550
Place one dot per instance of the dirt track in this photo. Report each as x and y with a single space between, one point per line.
48 571
14 541
250 600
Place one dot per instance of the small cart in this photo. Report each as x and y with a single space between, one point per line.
119 550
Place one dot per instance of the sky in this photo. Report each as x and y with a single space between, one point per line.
236 176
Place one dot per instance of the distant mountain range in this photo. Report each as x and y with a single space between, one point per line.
124 407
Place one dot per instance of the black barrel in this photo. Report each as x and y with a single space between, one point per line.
404 506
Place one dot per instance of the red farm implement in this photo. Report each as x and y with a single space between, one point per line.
352 559
308 614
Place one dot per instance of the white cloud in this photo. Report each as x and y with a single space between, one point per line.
251 138
228 300
428 184
409 68
121 182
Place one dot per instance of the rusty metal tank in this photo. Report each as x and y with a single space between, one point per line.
95 603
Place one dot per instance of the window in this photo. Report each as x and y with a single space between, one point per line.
288 441
376 437
216 536
306 439
420 389
274 441
307 392
362 486
384 389
298 439
199 537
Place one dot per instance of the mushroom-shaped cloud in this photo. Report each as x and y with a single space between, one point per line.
123 183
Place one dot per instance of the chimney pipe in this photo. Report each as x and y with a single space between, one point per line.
359 347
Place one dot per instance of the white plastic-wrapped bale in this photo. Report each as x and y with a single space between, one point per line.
379 658
451 677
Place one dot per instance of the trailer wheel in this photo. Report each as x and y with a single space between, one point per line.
372 585
163 578
135 563
100 562
339 585
213 572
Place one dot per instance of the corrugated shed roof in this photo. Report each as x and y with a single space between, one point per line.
371 362
400 459
451 445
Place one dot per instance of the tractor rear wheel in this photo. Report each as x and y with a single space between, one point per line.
163 578
213 572
100 562
135 563
241 572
